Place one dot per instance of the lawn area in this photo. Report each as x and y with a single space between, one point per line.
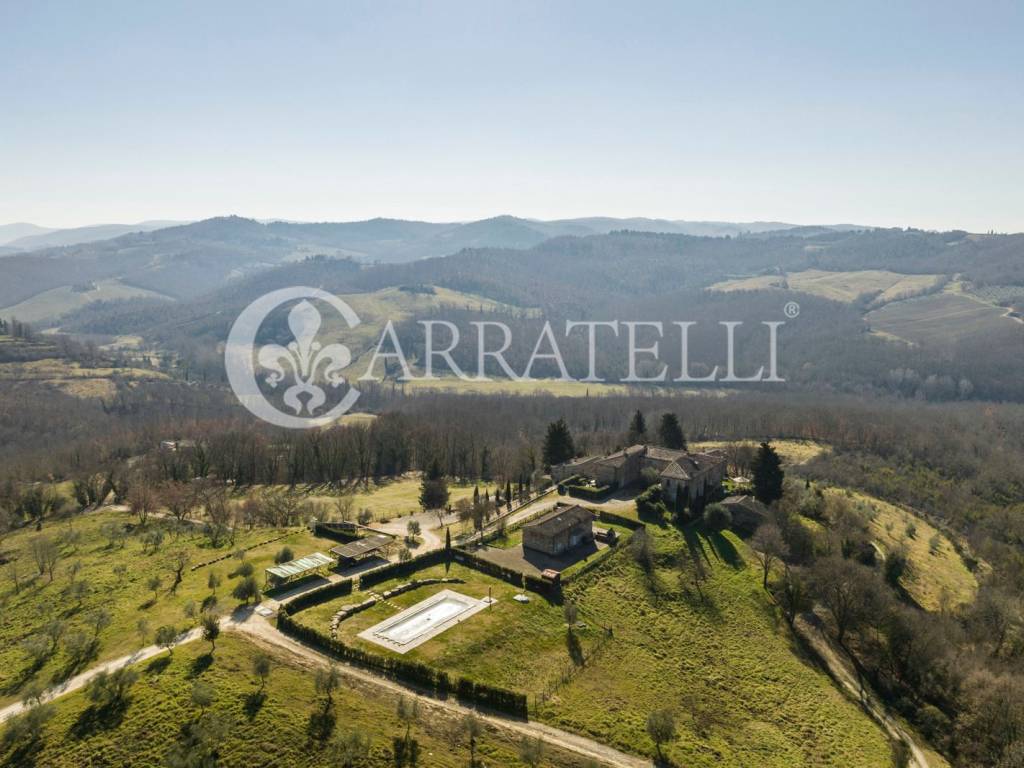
937 577
739 686
271 733
396 498
127 597
512 645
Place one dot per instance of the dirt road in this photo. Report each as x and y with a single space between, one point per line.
842 672
262 632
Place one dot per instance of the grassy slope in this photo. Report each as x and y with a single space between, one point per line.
271 735
518 646
837 286
741 691
943 318
55 302
128 600
936 578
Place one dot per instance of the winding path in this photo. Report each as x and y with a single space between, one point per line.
261 632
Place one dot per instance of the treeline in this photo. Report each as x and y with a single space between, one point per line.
955 674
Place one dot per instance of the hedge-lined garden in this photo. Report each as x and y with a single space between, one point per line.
414 673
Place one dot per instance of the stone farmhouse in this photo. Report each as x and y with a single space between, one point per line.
685 477
560 530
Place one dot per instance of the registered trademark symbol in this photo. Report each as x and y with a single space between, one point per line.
791 310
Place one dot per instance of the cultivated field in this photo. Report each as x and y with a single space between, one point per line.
268 732
846 287
943 318
376 308
507 387
73 378
115 575
51 304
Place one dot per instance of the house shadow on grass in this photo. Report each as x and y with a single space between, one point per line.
725 550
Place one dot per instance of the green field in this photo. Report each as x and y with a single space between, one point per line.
846 287
730 670
738 683
51 304
512 645
396 498
127 597
942 319
273 732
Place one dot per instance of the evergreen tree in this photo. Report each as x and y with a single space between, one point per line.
508 492
671 433
447 543
768 474
433 488
476 495
637 429
558 444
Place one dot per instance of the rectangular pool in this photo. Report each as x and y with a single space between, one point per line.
423 621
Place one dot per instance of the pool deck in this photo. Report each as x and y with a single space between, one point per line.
378 633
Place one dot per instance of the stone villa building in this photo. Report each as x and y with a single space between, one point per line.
684 476
560 530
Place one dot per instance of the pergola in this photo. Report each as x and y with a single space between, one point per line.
361 549
311 565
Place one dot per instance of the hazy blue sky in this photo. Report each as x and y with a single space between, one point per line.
883 113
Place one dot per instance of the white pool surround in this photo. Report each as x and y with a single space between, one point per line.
427 619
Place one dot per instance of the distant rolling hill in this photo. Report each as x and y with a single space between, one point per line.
187 260
44 237
10 233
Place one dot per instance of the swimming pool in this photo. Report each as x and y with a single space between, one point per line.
423 621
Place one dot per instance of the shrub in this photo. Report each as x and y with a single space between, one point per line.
649 503
717 517
284 555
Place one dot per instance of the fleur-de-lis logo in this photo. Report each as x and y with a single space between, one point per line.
304 357
304 364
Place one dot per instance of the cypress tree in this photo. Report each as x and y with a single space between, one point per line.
768 474
671 433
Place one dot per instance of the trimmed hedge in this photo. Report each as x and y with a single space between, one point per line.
327 532
605 516
319 595
412 672
589 492
510 575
